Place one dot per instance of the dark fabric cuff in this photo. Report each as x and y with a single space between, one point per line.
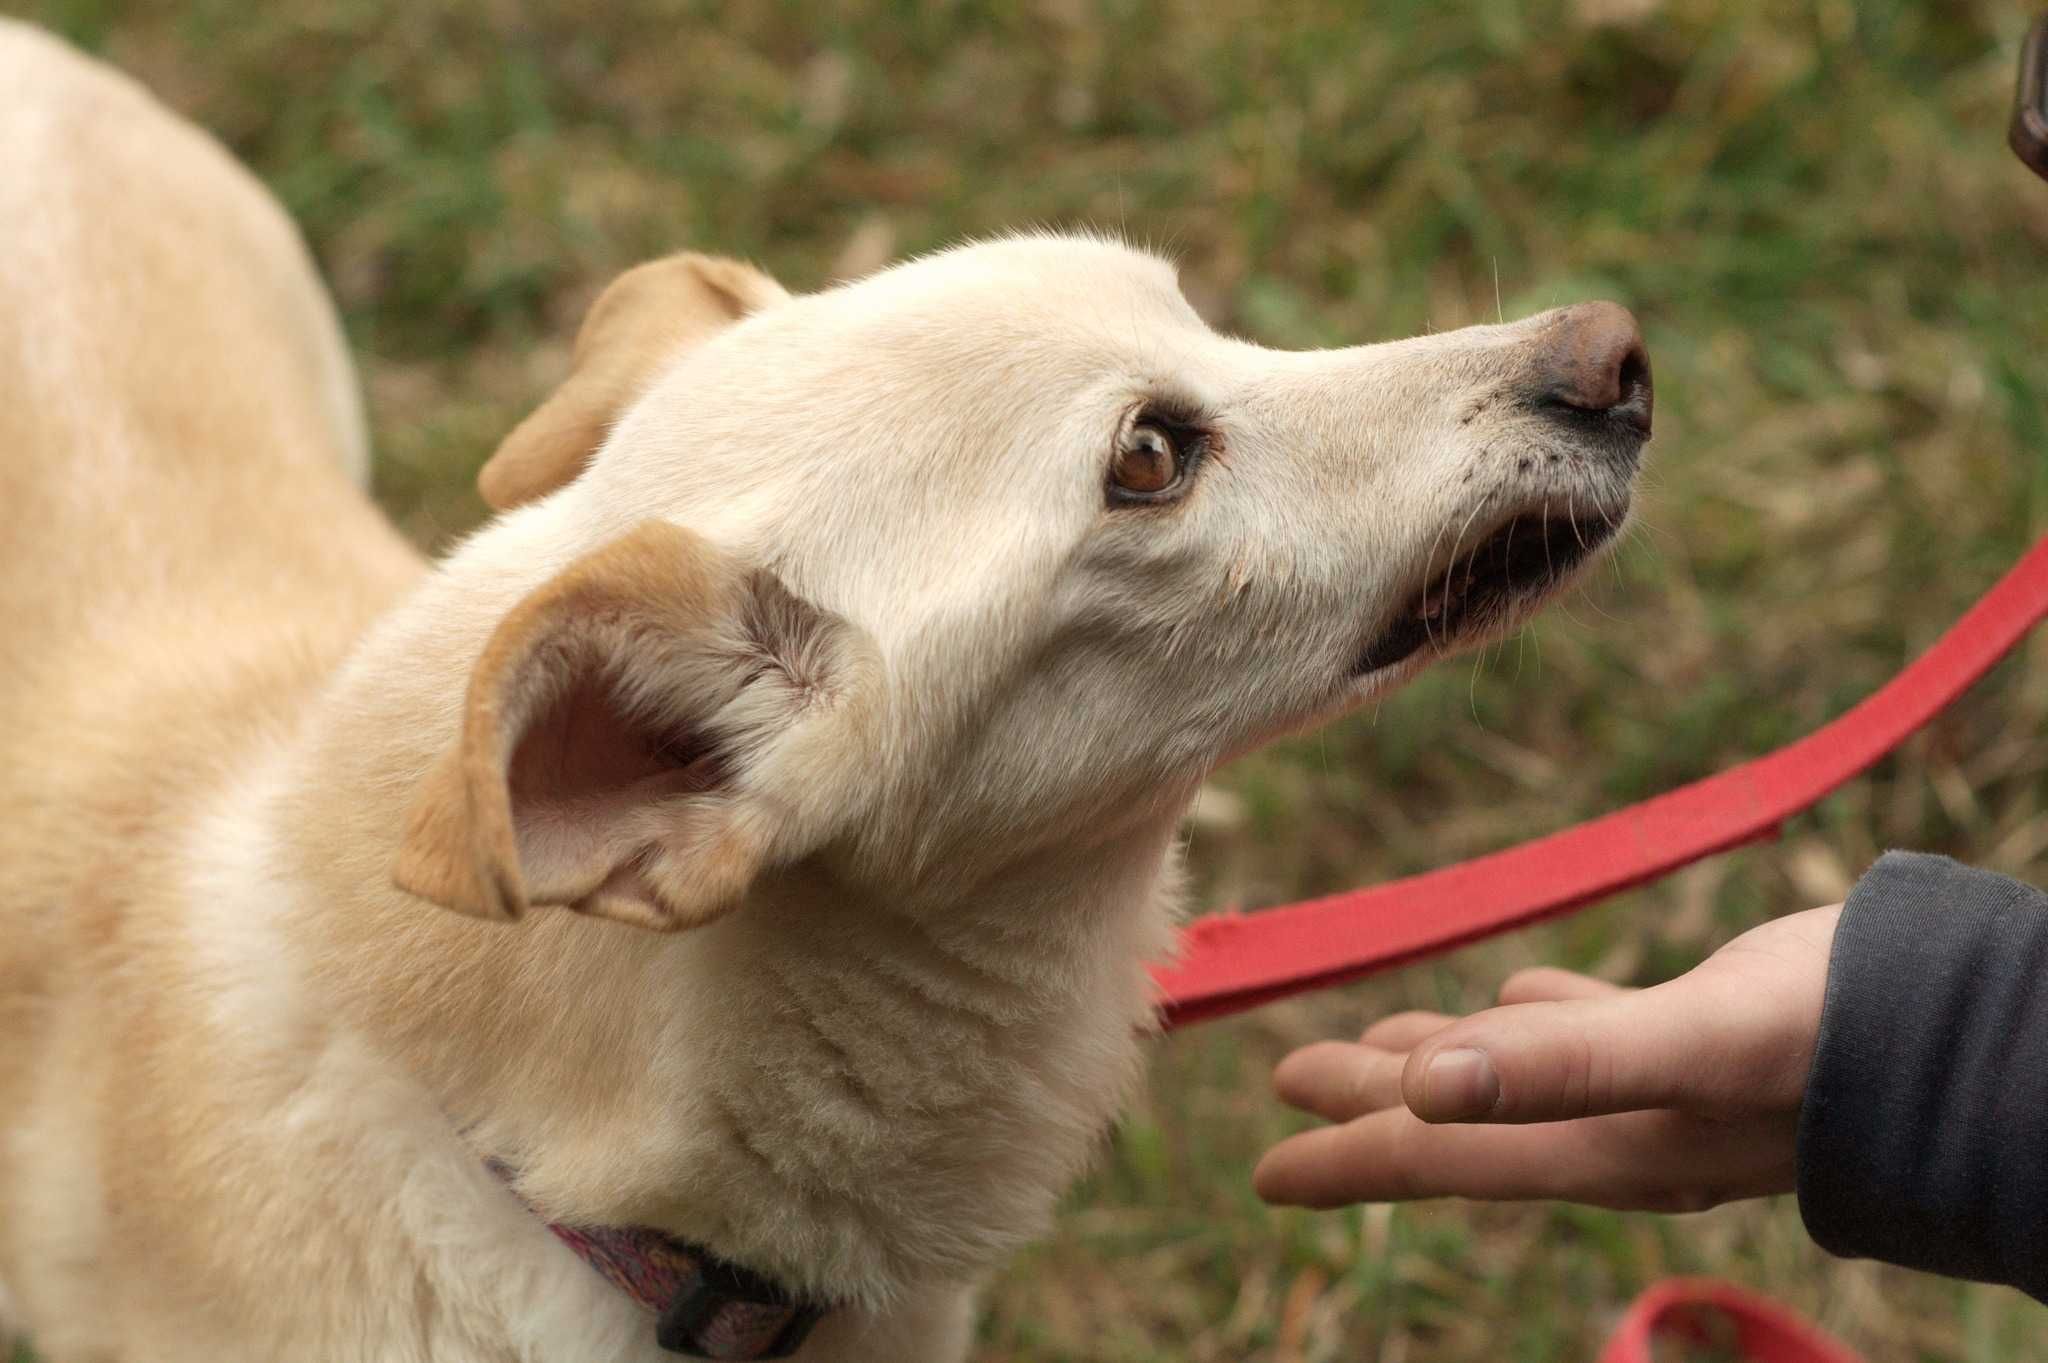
1923 1137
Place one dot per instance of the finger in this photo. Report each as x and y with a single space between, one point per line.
1547 984
1654 1161
1403 1031
1546 1062
1391 1156
1338 1081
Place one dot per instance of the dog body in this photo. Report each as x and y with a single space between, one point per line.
817 720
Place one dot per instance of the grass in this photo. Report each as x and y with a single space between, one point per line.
1844 280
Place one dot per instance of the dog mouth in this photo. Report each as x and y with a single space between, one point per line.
1513 568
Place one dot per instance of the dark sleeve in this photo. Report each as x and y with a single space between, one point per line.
1923 1138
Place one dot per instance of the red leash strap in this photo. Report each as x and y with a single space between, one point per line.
1684 1307
1230 962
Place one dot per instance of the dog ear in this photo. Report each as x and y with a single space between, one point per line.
642 319
642 736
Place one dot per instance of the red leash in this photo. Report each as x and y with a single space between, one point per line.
1682 1308
1230 962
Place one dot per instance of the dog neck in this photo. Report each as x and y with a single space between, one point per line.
848 1091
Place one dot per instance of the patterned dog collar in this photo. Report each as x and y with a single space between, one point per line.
703 1306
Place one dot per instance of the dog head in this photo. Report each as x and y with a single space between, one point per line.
988 555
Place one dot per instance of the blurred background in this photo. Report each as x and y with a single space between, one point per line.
1843 276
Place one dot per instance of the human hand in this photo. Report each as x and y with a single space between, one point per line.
1673 1098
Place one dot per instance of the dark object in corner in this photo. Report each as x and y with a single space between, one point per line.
2029 136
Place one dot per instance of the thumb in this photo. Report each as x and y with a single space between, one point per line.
1556 1061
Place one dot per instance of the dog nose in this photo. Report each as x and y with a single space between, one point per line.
1594 361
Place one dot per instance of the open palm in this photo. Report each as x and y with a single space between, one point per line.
1672 1098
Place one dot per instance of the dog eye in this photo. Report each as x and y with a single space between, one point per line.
1149 461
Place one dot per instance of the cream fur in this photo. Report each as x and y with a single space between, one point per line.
957 709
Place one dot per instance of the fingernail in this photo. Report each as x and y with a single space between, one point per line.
1458 1086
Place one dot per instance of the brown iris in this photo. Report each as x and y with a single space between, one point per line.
1148 460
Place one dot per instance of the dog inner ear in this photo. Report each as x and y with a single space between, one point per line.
643 318
642 736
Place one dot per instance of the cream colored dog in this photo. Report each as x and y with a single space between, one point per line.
800 754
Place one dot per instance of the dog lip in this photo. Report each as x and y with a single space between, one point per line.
1615 433
1527 556
1634 413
